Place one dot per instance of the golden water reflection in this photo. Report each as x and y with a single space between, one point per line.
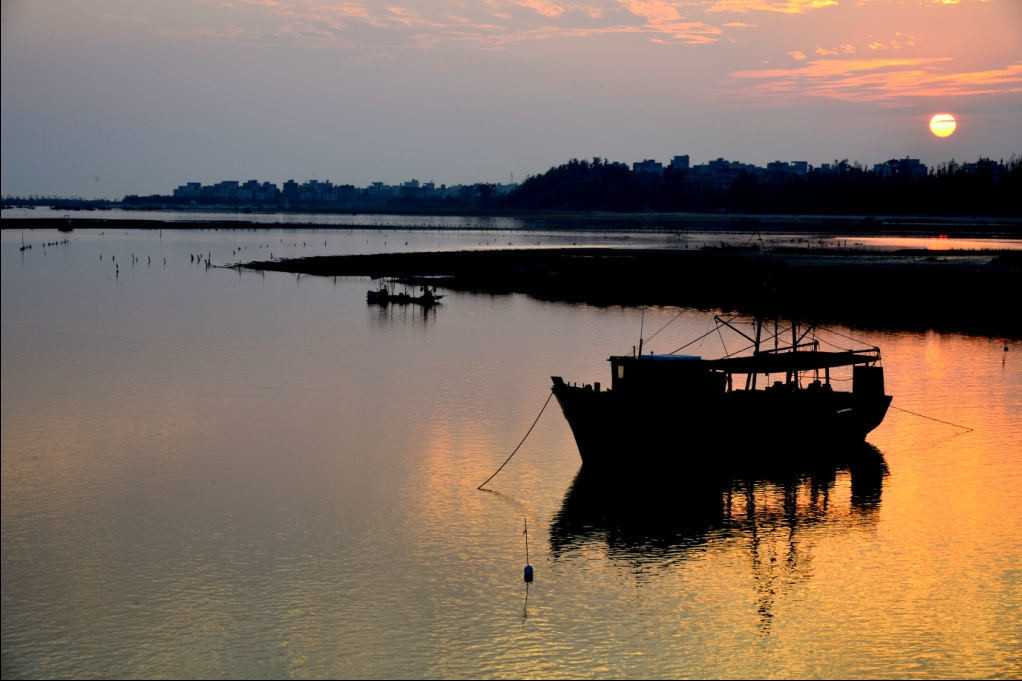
768 516
207 474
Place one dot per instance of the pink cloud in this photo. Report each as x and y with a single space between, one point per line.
879 80
491 24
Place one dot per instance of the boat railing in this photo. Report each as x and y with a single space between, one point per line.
815 345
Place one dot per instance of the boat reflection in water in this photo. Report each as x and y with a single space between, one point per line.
765 513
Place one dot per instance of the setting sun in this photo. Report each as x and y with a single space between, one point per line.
943 124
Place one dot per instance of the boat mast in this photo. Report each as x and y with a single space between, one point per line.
642 322
793 374
759 333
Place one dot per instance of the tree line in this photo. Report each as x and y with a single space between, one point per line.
983 188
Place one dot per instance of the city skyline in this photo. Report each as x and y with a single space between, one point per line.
718 167
109 98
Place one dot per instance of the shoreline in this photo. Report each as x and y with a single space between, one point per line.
977 227
968 291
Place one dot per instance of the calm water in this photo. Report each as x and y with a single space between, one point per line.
214 474
636 230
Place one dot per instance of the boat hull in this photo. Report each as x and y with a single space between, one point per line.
633 430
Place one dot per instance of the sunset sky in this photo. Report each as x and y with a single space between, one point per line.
101 98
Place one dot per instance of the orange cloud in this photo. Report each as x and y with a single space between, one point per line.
899 41
782 6
847 48
543 7
880 80
653 11
692 33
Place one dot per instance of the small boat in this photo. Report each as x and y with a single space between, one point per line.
678 410
380 296
383 296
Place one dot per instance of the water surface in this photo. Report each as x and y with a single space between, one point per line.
208 473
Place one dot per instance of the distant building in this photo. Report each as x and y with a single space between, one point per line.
985 166
907 167
267 191
680 162
648 167
192 190
290 190
227 189
722 173
780 172
504 189
315 191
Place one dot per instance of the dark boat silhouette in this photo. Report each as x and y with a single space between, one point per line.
384 296
659 407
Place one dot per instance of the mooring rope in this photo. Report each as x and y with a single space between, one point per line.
520 443
967 429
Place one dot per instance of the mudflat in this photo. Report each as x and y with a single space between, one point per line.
969 291
974 291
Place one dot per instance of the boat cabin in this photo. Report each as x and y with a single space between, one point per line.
690 373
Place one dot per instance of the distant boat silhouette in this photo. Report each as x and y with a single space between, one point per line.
383 296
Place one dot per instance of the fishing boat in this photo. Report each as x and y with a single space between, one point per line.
672 409
380 296
384 296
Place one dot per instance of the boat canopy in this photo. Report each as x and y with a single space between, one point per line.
771 362
764 362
